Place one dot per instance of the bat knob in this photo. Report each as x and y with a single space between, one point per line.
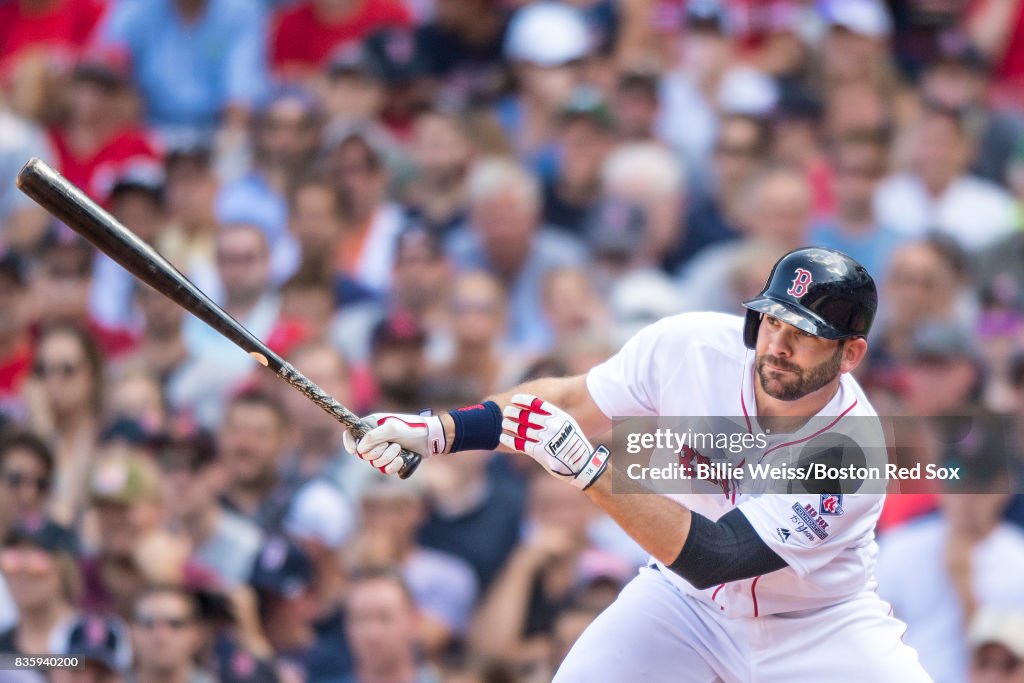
410 462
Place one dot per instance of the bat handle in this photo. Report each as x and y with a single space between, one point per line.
342 414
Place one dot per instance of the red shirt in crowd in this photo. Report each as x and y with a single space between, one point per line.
302 41
97 172
62 27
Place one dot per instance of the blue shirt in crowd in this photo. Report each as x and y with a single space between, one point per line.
189 72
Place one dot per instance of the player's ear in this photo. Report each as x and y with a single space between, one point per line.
853 353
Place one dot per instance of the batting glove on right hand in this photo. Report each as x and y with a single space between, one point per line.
552 437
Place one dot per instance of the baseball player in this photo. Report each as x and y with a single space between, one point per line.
740 587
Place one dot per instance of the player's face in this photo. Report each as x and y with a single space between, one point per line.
792 363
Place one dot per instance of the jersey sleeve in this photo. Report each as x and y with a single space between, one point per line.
627 384
809 530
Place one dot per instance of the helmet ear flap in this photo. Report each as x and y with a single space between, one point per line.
750 328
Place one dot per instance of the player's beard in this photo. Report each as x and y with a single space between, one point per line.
802 382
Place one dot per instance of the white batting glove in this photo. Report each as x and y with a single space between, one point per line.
551 436
421 434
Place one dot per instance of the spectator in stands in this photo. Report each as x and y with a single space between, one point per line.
586 320
443 586
636 104
285 134
398 363
939 571
307 34
441 152
128 509
137 200
190 89
420 279
135 395
701 57
216 367
26 473
161 348
65 399
192 478
103 648
924 282
308 305
382 624
251 442
282 578
357 163
477 364
858 164
189 241
943 373
315 219
647 174
350 90
584 138
996 638
504 237
166 636
38 563
714 215
546 45
16 350
55 31
464 42
516 618
61 287
938 194
98 140
25 222
777 210
855 47
959 78
474 514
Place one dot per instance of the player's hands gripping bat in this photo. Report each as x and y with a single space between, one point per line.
552 437
68 203
383 444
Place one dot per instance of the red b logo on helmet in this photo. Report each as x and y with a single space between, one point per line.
801 282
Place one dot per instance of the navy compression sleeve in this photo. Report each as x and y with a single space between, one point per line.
723 551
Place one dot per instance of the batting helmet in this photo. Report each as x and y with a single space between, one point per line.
821 291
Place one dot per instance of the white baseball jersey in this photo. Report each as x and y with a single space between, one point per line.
695 364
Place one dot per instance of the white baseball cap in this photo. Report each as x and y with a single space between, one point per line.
747 91
865 17
998 626
547 34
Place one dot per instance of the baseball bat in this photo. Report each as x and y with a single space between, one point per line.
69 204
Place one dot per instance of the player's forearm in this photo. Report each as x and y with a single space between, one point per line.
569 393
660 525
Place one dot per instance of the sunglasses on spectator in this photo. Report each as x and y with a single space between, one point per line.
61 369
25 561
15 480
151 621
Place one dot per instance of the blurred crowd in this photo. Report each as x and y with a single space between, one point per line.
417 203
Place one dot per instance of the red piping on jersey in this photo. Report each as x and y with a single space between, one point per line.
746 417
715 594
753 592
808 438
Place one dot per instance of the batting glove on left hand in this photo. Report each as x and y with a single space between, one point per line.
382 445
551 436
